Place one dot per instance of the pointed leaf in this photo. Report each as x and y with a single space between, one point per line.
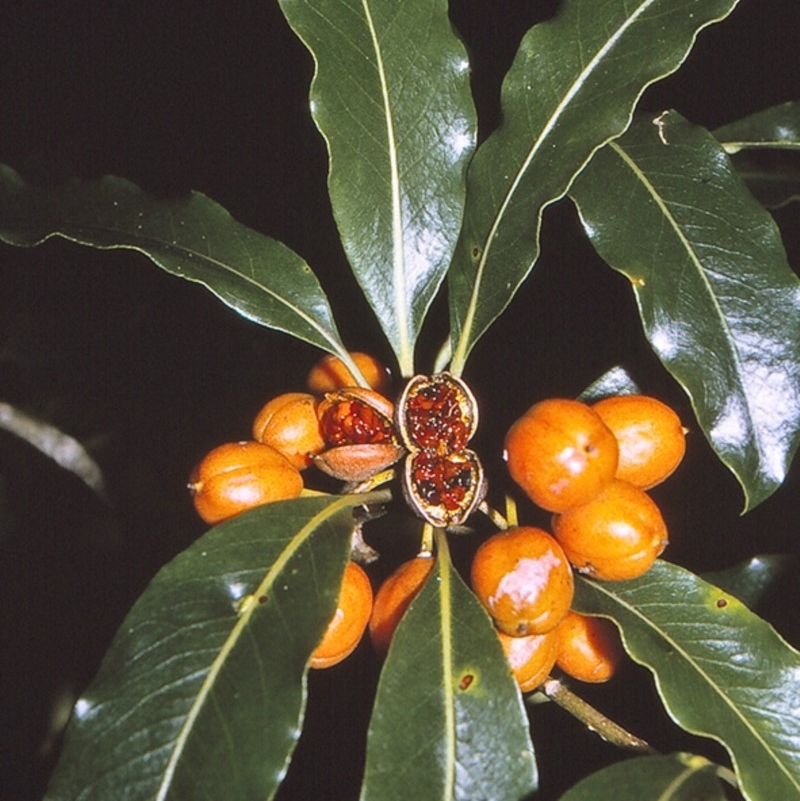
773 177
191 237
616 381
777 127
204 684
573 86
675 777
719 302
391 97
720 670
448 721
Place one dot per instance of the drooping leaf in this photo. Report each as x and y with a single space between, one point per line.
674 777
448 721
719 302
773 178
204 683
191 237
572 87
391 97
774 128
720 670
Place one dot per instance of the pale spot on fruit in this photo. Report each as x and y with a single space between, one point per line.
527 581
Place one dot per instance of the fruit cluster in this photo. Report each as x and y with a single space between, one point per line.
345 430
590 466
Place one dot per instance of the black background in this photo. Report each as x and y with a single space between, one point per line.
151 372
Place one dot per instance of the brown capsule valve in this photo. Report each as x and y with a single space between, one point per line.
357 426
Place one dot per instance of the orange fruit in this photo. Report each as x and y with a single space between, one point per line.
393 598
616 536
350 620
530 658
240 475
289 423
330 373
523 579
589 648
652 440
561 453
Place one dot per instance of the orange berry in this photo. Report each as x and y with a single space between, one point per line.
330 374
289 423
349 621
240 475
530 658
561 453
393 598
589 648
651 439
523 579
614 537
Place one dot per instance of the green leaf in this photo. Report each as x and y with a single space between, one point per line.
675 777
765 148
777 127
204 684
448 721
191 237
720 670
391 96
616 381
753 579
719 302
572 87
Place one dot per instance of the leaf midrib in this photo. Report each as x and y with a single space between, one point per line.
247 611
703 675
158 244
663 205
460 353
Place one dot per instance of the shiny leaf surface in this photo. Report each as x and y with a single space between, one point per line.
766 152
572 87
448 721
191 237
720 670
391 97
675 777
775 128
204 684
719 302
753 579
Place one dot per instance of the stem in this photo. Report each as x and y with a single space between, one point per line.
493 515
426 545
511 512
593 719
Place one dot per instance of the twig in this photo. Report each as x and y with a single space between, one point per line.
593 719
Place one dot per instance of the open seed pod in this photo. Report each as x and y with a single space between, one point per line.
445 489
437 412
357 425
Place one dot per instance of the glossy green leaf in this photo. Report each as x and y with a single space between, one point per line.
775 128
448 721
572 87
720 670
616 381
391 96
674 777
754 578
204 683
764 147
719 302
191 237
